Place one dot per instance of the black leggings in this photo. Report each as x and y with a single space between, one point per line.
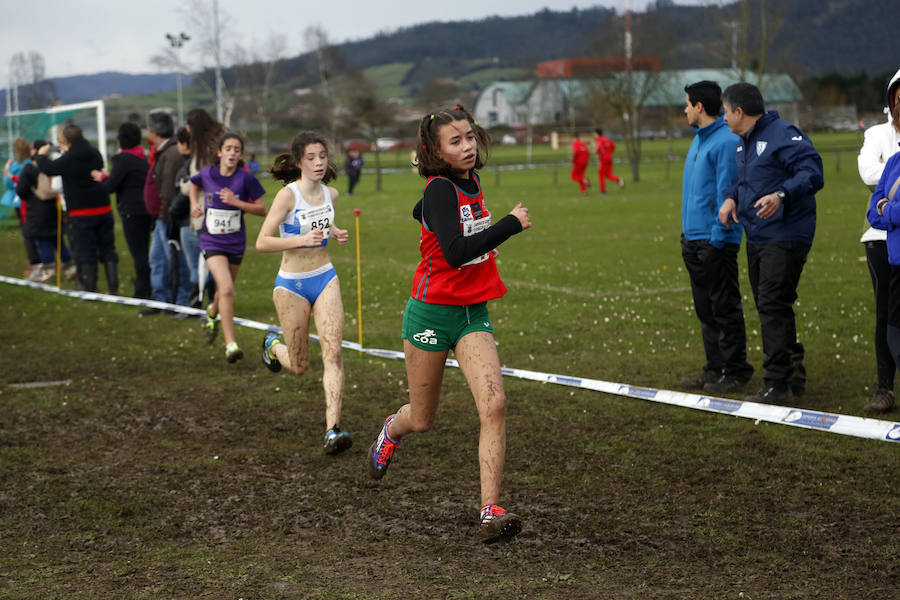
880 271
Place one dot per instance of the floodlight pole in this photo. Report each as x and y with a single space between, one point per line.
177 41
219 108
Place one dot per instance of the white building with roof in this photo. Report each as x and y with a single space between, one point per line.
548 101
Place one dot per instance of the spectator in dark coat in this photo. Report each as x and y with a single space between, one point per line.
42 224
91 223
126 180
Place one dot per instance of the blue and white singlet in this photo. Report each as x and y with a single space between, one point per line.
304 218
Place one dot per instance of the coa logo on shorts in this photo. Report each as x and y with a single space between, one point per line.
426 337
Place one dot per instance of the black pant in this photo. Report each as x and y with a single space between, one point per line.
93 238
353 178
137 230
717 302
31 248
774 271
880 270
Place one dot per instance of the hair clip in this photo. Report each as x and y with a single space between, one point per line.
432 117
457 107
424 147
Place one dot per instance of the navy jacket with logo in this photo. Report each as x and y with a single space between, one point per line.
776 155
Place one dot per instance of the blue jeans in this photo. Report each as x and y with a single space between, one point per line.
190 245
178 268
159 263
47 250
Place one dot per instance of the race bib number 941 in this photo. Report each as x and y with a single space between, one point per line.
219 222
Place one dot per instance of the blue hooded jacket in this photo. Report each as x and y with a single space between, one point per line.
709 171
776 155
890 221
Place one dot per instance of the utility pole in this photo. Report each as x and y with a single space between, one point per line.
177 41
218 51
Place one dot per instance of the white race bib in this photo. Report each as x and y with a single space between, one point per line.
316 217
219 221
471 227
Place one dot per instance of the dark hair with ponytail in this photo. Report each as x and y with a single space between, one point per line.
286 167
428 159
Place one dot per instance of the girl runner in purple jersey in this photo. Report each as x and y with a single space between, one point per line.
221 194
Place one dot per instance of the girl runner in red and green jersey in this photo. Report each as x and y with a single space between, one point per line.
447 309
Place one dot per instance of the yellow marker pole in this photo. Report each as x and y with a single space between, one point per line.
356 212
58 243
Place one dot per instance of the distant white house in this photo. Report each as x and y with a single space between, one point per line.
548 101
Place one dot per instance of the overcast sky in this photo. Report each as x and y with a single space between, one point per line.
89 36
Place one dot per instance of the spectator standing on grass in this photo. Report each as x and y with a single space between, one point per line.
353 164
880 143
448 306
302 215
581 156
205 134
605 148
159 189
128 172
11 171
188 237
91 222
710 249
43 225
779 172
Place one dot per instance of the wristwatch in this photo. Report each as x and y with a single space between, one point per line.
780 194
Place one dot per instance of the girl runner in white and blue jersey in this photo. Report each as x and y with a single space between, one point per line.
303 214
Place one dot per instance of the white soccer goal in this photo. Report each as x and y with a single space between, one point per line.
43 123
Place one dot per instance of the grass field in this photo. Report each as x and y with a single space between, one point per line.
160 471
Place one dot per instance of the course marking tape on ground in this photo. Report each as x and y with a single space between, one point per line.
877 429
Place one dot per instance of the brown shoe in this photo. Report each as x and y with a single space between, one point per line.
498 525
882 401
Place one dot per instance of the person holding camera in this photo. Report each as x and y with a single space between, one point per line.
91 223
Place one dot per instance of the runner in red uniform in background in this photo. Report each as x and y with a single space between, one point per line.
605 149
581 156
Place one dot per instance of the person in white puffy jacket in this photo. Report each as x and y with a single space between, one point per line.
881 141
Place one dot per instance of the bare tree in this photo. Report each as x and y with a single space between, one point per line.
626 95
367 113
317 42
255 71
750 40
206 23
29 73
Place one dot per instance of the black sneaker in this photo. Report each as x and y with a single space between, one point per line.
149 312
697 383
727 384
771 395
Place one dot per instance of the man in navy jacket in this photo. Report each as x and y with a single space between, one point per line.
709 248
779 172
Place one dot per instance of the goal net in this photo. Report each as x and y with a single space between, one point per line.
45 123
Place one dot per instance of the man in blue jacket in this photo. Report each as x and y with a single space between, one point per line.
709 248
779 172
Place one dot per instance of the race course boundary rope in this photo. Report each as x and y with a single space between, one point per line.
877 429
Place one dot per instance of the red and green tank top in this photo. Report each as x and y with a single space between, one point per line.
437 282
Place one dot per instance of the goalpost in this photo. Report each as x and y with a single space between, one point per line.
44 123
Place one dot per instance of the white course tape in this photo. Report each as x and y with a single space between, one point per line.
877 429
